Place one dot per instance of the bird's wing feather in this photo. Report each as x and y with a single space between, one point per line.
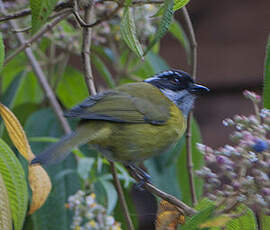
123 105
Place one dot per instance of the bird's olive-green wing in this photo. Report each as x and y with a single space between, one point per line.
124 104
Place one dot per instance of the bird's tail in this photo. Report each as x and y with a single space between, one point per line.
61 149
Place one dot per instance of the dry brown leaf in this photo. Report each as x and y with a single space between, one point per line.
41 186
39 180
168 216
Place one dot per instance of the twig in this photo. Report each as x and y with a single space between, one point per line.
60 6
165 196
98 21
89 80
189 134
86 44
38 35
40 75
121 196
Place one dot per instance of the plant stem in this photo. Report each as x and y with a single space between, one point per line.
86 44
193 70
89 80
121 197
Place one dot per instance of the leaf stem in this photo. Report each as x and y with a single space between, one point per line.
193 70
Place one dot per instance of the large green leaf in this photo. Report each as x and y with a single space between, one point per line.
5 214
41 10
103 71
53 214
164 23
15 181
111 195
203 215
128 31
182 168
178 32
178 4
2 52
244 222
72 89
266 86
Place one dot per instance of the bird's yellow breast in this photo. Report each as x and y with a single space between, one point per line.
127 142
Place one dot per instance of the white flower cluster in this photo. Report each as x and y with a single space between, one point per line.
88 214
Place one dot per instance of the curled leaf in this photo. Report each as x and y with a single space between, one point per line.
219 221
40 185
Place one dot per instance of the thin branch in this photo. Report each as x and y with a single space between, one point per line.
165 196
121 197
86 44
189 134
38 35
41 76
60 6
89 80
98 21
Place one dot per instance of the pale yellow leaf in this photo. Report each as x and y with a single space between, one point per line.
38 178
41 186
219 221
16 133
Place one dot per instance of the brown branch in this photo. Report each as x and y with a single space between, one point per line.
189 134
60 6
165 196
89 80
86 44
121 197
41 76
38 35
98 21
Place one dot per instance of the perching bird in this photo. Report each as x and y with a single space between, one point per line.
132 122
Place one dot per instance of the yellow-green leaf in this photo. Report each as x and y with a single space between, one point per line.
219 221
5 214
179 4
15 181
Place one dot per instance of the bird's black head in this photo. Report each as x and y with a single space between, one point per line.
176 80
178 86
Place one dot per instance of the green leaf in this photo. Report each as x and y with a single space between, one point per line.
128 32
266 85
199 218
164 23
244 222
178 32
53 213
111 195
103 71
84 167
265 222
41 10
5 214
197 158
72 89
15 181
2 52
178 4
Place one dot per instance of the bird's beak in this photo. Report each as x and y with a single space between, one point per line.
198 89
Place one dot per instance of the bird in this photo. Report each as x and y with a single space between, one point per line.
131 122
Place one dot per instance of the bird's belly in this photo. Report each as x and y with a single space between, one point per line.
136 142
